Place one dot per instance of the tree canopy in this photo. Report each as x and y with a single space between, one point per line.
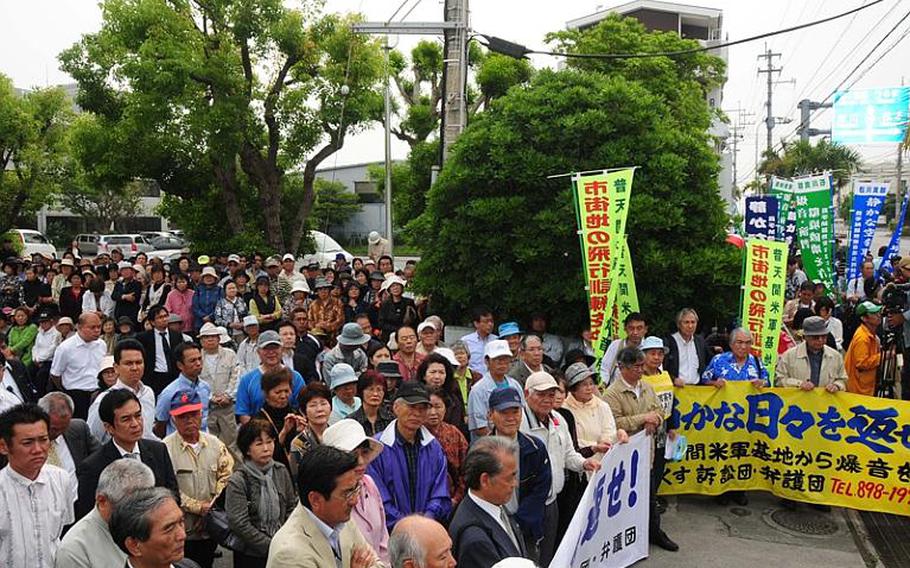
801 157
497 231
219 100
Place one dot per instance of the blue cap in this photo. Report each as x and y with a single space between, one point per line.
509 328
501 399
342 374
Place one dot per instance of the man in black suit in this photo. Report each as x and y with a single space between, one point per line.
121 414
159 344
482 532
20 386
71 439
308 346
688 353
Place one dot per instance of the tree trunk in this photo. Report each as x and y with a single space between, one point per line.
309 196
226 174
267 179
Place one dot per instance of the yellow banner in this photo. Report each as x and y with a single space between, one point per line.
626 293
838 449
764 284
602 205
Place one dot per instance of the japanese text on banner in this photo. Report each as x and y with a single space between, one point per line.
602 206
839 449
626 292
895 243
610 525
868 199
761 217
782 188
763 298
815 227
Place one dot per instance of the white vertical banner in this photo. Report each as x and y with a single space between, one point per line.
610 526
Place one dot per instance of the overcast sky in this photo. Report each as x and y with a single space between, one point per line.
33 32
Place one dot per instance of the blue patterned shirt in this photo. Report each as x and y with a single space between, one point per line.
723 366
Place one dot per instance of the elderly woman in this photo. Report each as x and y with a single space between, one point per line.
326 312
595 426
368 514
265 305
259 496
465 377
22 335
230 311
344 386
277 411
373 415
396 310
316 406
453 442
436 372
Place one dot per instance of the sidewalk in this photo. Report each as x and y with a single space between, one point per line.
745 537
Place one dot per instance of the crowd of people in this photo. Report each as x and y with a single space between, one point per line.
151 412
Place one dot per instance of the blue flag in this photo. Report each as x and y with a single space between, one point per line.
895 244
868 199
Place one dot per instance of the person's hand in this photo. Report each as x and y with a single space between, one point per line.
758 383
806 386
896 320
831 387
720 383
591 464
672 434
653 417
205 509
290 422
679 382
601 447
622 437
650 429
362 557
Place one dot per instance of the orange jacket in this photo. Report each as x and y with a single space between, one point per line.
862 360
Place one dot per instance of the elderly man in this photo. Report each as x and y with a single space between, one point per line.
189 361
412 471
377 246
687 354
407 357
737 364
221 373
856 288
348 350
203 465
428 335
127 295
88 543
530 359
477 341
482 531
319 532
636 329
542 421
528 502
419 542
635 407
77 362
811 363
70 439
36 498
250 398
247 353
148 527
128 366
308 348
498 358
552 344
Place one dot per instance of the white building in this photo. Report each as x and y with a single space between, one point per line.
704 25
356 179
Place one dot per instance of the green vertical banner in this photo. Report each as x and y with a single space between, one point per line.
764 284
626 293
815 227
782 188
601 208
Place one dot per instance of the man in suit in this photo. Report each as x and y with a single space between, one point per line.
71 440
159 344
148 527
308 346
482 530
121 415
319 534
688 354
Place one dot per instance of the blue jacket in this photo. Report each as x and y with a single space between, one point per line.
533 485
390 472
204 301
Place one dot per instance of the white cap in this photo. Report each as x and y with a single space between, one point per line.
107 362
426 324
300 286
208 328
347 435
448 354
125 264
497 348
373 237
209 271
287 256
393 279
223 334
234 258
250 320
65 320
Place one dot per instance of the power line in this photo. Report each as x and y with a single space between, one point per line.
526 51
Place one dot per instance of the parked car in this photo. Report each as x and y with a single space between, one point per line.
87 244
166 246
32 242
129 244
326 249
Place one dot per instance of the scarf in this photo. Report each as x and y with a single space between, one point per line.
269 501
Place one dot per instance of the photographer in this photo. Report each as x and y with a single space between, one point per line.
898 318
865 353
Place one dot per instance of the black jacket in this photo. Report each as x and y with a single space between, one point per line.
147 339
478 540
80 441
671 361
308 348
20 376
153 454
126 308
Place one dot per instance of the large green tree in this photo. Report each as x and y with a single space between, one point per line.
217 100
498 231
33 130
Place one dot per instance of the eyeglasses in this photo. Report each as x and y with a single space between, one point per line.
352 492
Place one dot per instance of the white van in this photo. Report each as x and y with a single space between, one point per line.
33 242
326 250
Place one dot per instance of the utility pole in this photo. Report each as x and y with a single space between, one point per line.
805 115
388 148
769 70
454 100
740 121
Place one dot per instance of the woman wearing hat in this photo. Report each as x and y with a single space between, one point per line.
71 297
396 310
326 312
368 513
107 377
298 297
259 496
265 305
344 386
11 293
654 350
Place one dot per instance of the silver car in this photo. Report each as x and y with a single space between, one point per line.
129 244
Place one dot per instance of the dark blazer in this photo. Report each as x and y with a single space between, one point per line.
20 376
153 454
80 441
671 361
478 540
147 339
305 358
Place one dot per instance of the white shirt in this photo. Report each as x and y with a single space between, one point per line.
160 356
32 516
64 455
9 384
78 362
146 398
608 368
7 400
688 359
857 287
124 453
494 511
105 305
45 344
558 440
